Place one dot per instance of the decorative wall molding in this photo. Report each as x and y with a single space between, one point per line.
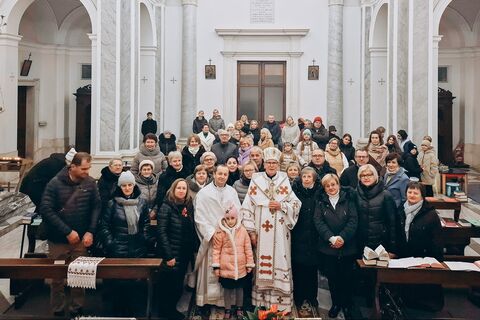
262 32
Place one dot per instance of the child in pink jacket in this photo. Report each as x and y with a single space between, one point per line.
232 259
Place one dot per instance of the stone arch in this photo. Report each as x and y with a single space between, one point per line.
379 30
147 26
73 19
455 29
14 10
438 13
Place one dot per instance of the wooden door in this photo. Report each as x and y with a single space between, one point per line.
261 90
445 143
83 119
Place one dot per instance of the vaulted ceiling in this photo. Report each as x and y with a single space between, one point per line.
62 8
468 9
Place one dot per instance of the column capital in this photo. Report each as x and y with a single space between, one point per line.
190 2
7 37
159 3
367 3
335 2
437 38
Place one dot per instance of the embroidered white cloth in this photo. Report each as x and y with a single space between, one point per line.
82 272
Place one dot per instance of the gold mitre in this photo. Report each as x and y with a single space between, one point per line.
271 153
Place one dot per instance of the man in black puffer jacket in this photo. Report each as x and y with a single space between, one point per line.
70 208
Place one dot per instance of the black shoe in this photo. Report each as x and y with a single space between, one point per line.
347 313
60 313
334 311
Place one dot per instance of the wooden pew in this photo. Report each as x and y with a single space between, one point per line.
452 204
109 268
443 277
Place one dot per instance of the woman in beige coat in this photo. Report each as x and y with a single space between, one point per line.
429 163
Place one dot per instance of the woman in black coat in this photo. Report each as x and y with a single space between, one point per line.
123 232
304 238
419 236
233 170
176 241
336 223
346 145
192 153
377 213
107 183
167 142
410 163
175 170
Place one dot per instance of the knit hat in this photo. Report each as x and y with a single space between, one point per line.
332 128
318 119
146 161
231 212
426 143
70 154
125 178
271 153
307 132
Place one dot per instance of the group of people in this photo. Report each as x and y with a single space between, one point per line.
248 218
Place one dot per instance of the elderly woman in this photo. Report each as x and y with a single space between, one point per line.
336 223
420 237
192 153
293 172
241 185
198 180
174 171
376 211
305 148
246 144
123 232
376 148
265 139
429 163
395 178
256 155
209 159
147 182
151 151
108 180
305 258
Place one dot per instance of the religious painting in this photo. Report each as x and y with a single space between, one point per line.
442 74
313 72
210 72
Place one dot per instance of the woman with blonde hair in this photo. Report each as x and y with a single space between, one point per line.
429 163
290 132
265 139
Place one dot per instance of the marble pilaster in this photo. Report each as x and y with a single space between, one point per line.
335 65
189 65
125 72
108 75
159 65
366 21
420 70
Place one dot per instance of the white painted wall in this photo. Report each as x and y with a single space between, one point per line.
236 14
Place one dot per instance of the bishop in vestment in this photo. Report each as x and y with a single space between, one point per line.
211 203
270 211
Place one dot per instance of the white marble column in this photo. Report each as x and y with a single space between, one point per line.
366 68
398 65
8 92
434 91
335 65
421 118
108 77
189 66
126 88
160 64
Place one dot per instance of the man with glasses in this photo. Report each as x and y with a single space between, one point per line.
270 211
321 166
349 176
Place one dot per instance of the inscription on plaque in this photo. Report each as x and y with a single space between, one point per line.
262 11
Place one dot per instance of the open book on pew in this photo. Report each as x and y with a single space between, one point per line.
378 257
411 262
463 266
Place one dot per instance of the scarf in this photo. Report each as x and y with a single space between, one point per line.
334 199
147 180
244 180
193 151
333 153
410 213
149 153
389 175
131 213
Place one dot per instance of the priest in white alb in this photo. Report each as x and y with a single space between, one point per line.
211 203
270 211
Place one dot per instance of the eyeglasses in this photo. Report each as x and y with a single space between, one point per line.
367 175
271 163
248 170
208 159
361 157
318 155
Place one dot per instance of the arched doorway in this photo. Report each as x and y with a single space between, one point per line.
56 34
459 72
